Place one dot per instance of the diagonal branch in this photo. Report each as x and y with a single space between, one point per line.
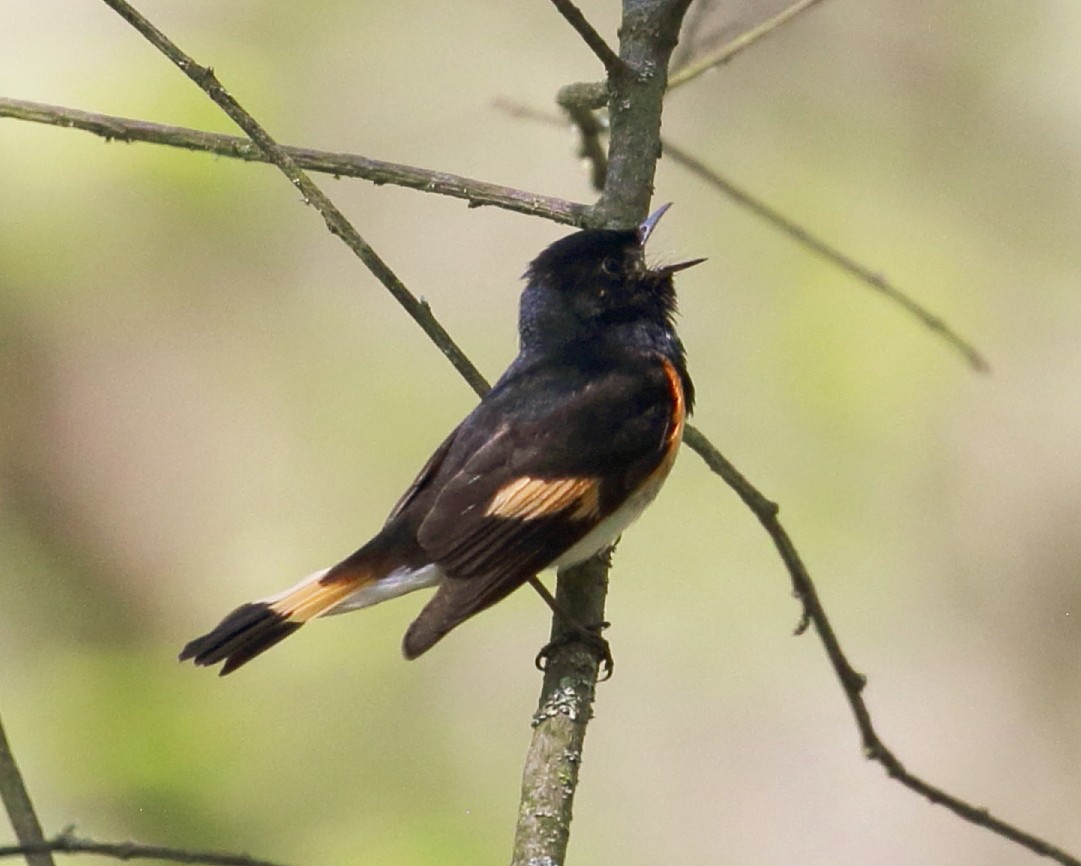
799 234
742 42
334 218
613 65
477 193
19 806
818 246
851 681
693 25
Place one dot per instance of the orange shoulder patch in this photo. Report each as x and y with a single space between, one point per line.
679 402
529 498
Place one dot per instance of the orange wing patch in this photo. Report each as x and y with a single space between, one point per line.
528 498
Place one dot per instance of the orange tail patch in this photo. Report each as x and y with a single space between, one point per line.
252 629
315 595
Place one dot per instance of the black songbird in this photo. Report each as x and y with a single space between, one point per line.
565 451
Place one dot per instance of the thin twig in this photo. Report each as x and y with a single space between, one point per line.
526 112
19 806
796 232
816 245
851 681
692 27
612 64
580 101
477 193
67 843
741 43
334 219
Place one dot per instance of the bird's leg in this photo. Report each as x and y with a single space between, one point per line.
571 631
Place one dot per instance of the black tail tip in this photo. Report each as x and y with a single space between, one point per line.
247 632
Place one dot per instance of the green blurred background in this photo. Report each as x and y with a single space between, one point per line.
205 396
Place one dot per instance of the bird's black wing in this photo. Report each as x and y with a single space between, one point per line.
425 477
545 459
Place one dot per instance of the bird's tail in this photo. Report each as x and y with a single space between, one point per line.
254 628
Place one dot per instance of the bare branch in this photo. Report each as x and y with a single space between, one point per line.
526 112
804 237
549 780
580 101
742 42
477 193
550 774
550 777
689 35
648 34
19 806
67 843
797 233
334 218
612 64
852 682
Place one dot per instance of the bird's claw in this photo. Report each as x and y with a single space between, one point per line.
588 635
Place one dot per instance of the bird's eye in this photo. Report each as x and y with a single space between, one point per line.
610 266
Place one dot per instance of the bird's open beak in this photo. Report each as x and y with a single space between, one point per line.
650 223
678 266
646 229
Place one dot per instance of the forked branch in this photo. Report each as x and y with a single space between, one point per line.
648 37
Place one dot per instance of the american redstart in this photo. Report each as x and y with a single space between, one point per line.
559 457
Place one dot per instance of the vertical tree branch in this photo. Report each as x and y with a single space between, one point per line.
550 775
648 35
19 807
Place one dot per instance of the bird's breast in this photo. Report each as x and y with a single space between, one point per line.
613 525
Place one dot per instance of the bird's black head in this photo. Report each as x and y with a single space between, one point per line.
593 287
